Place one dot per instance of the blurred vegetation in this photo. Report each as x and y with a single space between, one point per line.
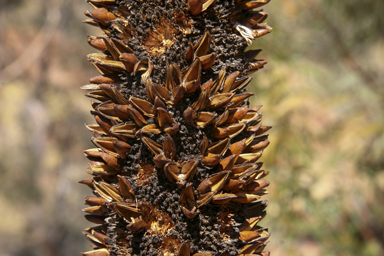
322 91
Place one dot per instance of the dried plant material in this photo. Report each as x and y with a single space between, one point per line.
176 141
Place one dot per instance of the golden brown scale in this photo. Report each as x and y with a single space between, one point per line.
223 176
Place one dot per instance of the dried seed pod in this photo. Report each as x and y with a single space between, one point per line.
136 224
204 119
252 4
227 131
137 117
184 249
180 175
148 130
127 210
234 185
220 100
163 117
174 134
97 252
154 147
96 210
244 198
94 200
129 60
214 183
103 79
125 188
189 53
97 43
107 191
191 80
101 15
202 254
227 163
145 107
222 198
188 202
195 7
95 219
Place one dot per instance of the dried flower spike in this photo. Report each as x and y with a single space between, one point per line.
175 169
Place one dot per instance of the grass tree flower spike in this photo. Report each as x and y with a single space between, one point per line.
175 170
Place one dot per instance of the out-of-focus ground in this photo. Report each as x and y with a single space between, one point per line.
322 90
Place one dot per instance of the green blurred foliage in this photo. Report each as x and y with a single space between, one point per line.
322 91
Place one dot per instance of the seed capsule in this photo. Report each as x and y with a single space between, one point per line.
252 4
96 210
98 252
125 188
129 60
136 224
195 7
222 198
127 210
101 15
188 202
184 250
97 43
94 200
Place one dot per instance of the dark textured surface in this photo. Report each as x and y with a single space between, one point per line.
225 40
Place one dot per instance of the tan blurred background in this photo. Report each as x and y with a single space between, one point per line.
322 90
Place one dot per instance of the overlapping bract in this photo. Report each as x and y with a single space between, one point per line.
220 106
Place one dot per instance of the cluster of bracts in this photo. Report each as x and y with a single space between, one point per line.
220 106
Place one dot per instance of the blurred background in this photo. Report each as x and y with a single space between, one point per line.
322 91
